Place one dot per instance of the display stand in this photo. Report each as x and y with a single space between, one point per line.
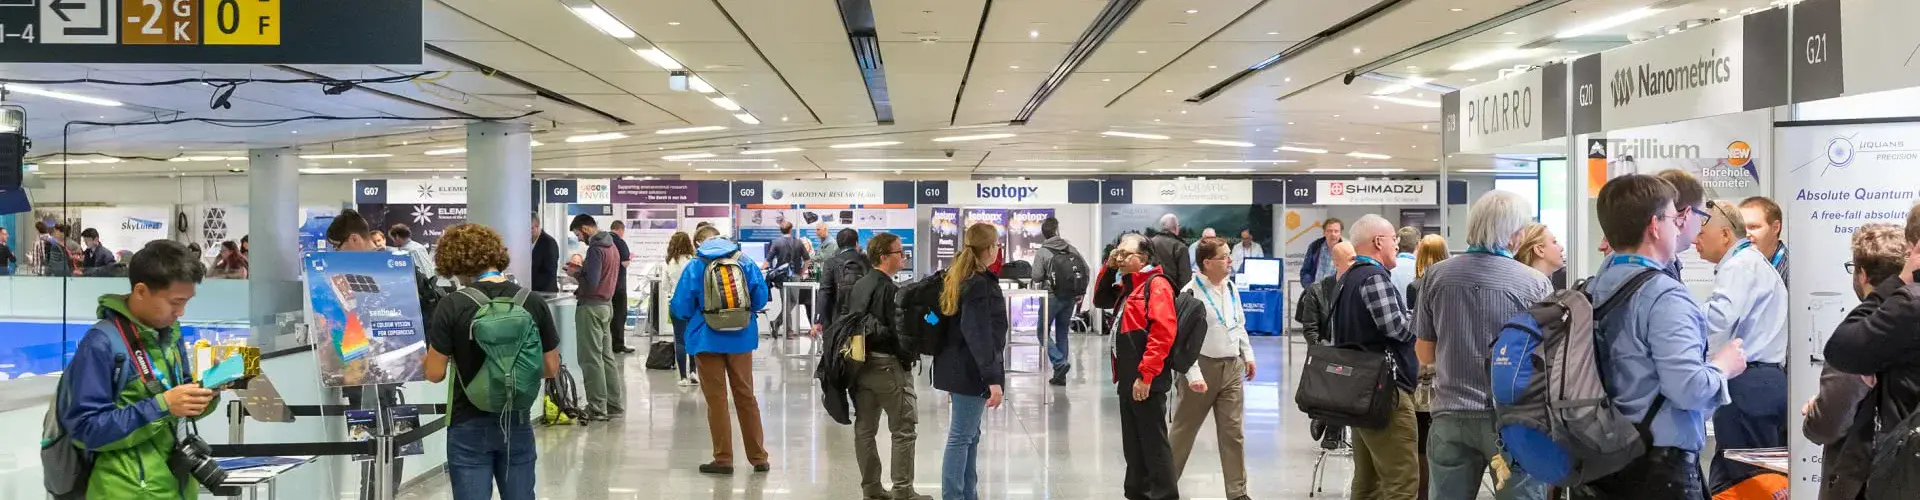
1039 342
788 306
249 481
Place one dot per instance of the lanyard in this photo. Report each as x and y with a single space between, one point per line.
1777 254
1362 259
1207 294
489 274
1489 251
1635 259
142 361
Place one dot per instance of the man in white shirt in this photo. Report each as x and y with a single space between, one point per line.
1403 266
403 240
1247 249
1749 303
1226 358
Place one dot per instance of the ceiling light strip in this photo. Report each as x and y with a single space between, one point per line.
1108 21
1134 135
1298 149
856 145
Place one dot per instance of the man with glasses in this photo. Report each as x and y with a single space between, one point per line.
1369 315
1690 207
885 381
1654 346
1749 302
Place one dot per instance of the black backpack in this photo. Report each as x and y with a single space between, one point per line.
921 326
1190 328
851 268
1067 274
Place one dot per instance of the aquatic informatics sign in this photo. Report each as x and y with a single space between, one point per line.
211 31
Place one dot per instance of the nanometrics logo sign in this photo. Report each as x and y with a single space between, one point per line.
1648 81
1004 192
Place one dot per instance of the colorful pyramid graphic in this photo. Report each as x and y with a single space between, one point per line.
353 339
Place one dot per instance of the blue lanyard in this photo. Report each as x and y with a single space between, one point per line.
1362 259
1490 251
488 274
1204 293
1777 254
1636 260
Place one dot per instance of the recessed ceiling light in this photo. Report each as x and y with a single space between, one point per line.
1205 170
1287 79
332 170
896 160
1368 156
700 85
1212 142
296 132
1456 9
1071 161
1413 68
1510 33
673 23
1013 67
1298 149
1376 107
658 58
1024 170
723 160
1573 52
1106 79
444 152
770 151
603 21
1357 51
1723 11
1244 161
1336 116
342 156
1289 123
874 144
1273 33
1134 135
980 137
725 103
1355 170
1183 111
1343 139
689 130
1609 22
746 118
1193 11
688 156
894 170
1473 79
1169 91
1033 33
1210 66
783 118
1376 133
608 136
1139 52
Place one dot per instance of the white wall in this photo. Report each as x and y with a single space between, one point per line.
328 190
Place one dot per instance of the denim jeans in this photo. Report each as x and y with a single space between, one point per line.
1459 448
1062 315
682 359
959 475
485 451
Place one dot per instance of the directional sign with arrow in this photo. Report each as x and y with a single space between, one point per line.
78 21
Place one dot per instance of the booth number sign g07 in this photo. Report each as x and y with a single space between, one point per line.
141 22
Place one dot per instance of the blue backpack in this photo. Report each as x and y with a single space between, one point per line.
1556 421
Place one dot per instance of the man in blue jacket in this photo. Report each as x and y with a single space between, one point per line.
725 358
1318 263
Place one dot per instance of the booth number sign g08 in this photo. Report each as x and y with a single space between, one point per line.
140 22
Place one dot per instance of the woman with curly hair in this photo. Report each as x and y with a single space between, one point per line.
483 447
679 252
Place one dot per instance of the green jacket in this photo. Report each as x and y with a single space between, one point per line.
112 411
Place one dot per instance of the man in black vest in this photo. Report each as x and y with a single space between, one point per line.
1369 315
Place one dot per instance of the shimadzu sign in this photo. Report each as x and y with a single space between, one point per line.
1518 109
1726 67
1008 192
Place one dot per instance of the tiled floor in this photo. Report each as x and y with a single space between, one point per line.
1063 450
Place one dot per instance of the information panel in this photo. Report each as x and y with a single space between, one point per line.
211 31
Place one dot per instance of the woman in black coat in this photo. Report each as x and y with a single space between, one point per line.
971 366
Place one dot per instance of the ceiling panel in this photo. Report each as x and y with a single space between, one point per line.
446 24
948 21
506 56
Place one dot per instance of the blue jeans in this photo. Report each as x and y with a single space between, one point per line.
1460 447
484 451
959 474
682 359
1756 419
1062 325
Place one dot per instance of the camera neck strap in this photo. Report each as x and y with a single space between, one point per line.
142 361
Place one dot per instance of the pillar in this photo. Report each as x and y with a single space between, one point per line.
273 237
499 188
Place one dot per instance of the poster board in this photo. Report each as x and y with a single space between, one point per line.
365 311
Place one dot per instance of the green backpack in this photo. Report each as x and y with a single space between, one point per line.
509 378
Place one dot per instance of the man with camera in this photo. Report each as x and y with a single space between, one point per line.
129 385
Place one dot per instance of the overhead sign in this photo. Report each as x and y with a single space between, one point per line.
824 194
1377 192
1721 68
211 31
1818 54
665 192
441 191
1505 112
1008 192
1193 192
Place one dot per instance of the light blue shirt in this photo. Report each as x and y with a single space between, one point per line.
1749 302
1402 273
1657 343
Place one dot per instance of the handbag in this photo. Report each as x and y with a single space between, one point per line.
660 355
1347 387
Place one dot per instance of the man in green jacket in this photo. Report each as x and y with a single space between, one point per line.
129 383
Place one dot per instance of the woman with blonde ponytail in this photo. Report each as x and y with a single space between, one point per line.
970 366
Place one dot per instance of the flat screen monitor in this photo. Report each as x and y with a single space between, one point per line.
755 250
1261 273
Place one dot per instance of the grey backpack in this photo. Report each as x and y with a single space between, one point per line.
726 303
64 466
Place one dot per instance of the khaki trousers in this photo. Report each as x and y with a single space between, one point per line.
1226 400
884 386
1386 461
718 374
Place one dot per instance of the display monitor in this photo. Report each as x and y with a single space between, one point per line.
1261 273
755 250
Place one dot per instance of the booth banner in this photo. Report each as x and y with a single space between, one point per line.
718 216
945 229
1727 153
825 193
1225 220
1725 67
1008 192
127 228
1837 179
1193 192
649 227
1023 237
1518 109
1377 192
366 310
423 191
996 217
762 225
658 192
427 220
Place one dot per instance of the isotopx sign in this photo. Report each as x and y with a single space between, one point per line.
1519 109
1008 192
1377 192
211 31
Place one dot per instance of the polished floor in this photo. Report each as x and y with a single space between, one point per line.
1033 448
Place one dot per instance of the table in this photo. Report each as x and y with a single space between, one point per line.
252 479
1773 459
1265 311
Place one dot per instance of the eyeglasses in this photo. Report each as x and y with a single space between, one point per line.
1849 267
1705 216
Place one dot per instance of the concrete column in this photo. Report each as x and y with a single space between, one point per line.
273 235
499 188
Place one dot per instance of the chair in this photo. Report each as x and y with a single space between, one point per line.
1333 443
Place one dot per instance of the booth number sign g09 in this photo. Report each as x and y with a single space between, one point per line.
211 31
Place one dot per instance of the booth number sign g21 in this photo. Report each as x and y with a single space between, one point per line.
141 22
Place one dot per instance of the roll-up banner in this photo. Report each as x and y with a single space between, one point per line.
1722 68
1518 109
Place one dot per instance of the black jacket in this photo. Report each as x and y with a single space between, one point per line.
831 304
1842 421
1315 308
974 356
1170 253
1877 338
874 294
1356 327
546 264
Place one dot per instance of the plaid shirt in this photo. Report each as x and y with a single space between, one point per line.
1389 312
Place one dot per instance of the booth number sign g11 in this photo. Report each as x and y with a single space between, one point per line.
141 22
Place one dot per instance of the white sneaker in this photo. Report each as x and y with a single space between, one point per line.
686 382
694 378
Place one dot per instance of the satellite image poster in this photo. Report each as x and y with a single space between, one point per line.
366 311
